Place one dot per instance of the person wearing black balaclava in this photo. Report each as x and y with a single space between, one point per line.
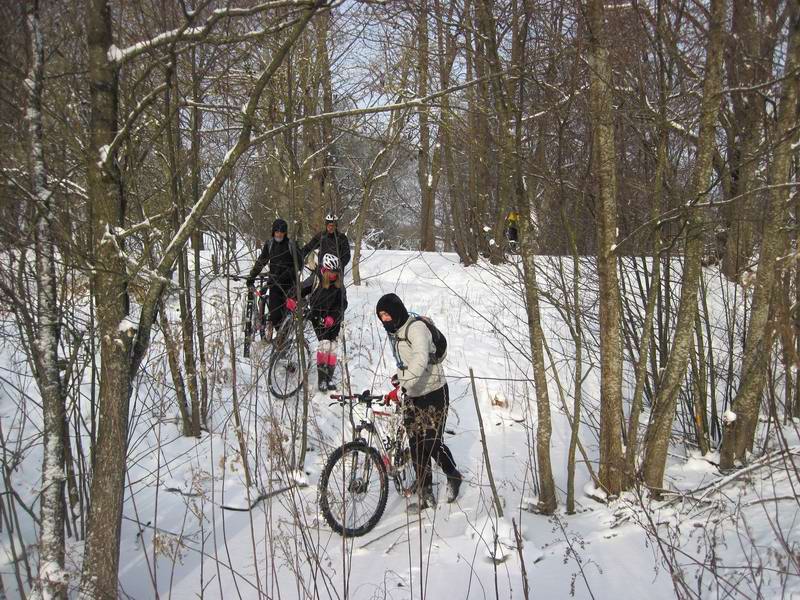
426 397
285 261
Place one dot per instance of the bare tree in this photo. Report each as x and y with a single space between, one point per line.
738 439
611 463
663 414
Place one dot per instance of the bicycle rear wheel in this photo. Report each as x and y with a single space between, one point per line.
288 363
353 488
403 472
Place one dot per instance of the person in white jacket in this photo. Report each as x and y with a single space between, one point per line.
426 397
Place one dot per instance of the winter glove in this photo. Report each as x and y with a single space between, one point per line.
393 396
327 322
291 304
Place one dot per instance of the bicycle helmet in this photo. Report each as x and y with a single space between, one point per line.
330 262
331 218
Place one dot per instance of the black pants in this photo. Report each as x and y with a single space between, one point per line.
276 303
424 418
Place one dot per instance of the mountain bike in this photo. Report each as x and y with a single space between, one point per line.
252 319
354 484
291 357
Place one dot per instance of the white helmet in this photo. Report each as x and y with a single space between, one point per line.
331 218
330 262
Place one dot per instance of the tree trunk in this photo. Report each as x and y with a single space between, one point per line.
663 414
101 555
611 463
172 135
52 578
544 427
330 192
173 359
124 346
197 242
424 174
503 109
758 342
749 64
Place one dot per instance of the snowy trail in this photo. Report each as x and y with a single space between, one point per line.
447 552
177 534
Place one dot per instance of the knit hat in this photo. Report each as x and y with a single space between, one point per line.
279 225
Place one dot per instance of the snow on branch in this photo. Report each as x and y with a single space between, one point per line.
186 33
110 150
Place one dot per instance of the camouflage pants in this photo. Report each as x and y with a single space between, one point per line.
424 419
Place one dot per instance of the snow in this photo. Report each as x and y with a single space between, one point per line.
728 416
114 54
191 519
104 154
127 325
592 491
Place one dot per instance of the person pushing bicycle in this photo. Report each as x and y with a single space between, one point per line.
328 302
421 378
285 263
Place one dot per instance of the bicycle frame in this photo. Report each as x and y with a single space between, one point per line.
386 440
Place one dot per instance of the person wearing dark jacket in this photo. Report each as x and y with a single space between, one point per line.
328 302
284 260
426 397
331 241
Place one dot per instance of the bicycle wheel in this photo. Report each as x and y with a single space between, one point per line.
287 364
353 489
403 473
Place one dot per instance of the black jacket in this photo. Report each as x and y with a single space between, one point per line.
284 261
328 302
335 243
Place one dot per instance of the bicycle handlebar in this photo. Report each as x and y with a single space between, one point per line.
261 278
366 397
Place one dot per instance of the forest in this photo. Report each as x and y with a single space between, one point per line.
596 201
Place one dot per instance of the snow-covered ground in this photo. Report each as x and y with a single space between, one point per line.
181 536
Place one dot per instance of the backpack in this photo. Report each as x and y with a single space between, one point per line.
439 341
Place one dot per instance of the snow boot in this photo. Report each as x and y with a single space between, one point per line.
330 370
426 500
453 486
322 377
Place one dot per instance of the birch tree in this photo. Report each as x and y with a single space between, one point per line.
52 578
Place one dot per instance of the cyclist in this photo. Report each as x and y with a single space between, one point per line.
426 397
512 229
283 257
328 302
330 241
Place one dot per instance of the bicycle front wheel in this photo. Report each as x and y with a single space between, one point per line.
403 472
353 489
288 365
